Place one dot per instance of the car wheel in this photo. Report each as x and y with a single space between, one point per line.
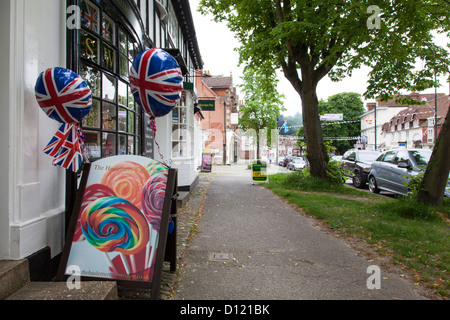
358 180
373 185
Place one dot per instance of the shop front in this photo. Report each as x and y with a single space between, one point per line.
99 40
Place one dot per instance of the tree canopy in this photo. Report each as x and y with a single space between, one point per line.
262 104
311 39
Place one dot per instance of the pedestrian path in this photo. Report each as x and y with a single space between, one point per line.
251 245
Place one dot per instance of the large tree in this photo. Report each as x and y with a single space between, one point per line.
310 39
262 104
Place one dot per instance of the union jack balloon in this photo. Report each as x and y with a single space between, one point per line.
156 82
63 95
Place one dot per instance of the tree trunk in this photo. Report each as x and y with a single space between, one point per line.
317 153
258 156
306 88
436 175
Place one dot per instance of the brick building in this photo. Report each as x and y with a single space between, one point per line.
220 104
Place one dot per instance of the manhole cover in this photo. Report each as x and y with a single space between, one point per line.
219 256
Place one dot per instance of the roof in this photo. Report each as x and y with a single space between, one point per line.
423 111
414 95
218 82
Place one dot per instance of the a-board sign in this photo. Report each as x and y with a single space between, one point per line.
119 226
259 171
206 161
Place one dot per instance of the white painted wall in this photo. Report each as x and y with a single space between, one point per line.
384 114
32 190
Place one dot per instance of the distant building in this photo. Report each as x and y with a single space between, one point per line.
288 146
219 103
390 124
414 127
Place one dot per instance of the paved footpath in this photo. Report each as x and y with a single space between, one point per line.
251 245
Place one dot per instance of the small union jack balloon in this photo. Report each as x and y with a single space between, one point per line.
63 95
156 82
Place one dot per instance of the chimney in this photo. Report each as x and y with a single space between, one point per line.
371 105
415 96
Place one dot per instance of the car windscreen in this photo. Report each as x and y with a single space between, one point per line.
368 156
421 156
298 160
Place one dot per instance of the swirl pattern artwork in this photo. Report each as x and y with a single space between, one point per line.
114 224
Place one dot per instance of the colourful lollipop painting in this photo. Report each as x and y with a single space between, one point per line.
117 233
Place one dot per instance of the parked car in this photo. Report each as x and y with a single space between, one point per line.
287 160
337 158
358 164
393 169
280 161
297 164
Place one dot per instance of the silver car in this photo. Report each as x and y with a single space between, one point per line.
297 164
393 169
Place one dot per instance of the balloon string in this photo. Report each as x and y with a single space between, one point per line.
152 126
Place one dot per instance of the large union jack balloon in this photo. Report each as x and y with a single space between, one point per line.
65 97
156 82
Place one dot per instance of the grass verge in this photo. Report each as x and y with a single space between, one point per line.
413 235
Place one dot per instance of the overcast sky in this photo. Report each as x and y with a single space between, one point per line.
217 46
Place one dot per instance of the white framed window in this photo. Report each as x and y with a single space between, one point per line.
430 133
416 123
183 128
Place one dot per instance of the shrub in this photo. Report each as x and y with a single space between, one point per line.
335 173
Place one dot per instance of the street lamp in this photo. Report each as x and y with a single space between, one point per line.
224 132
227 98
435 109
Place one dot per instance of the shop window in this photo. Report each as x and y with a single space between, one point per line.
108 29
90 17
182 129
107 50
179 129
430 135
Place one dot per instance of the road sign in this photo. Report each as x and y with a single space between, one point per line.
332 117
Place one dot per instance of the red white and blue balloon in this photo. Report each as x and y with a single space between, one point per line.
65 97
156 82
